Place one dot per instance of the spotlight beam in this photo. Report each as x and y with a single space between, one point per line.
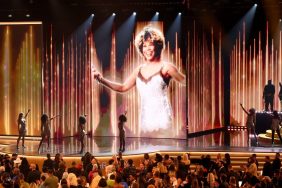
174 28
124 36
155 17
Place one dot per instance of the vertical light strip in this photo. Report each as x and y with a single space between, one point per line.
113 95
6 74
205 81
244 69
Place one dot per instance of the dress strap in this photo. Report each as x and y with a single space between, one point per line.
139 72
161 69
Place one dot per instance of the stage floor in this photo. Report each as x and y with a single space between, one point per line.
108 146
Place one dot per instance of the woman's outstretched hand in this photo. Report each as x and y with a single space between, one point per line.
97 74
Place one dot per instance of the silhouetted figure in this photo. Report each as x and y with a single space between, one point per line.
280 95
122 119
268 95
22 128
250 123
275 126
82 132
45 129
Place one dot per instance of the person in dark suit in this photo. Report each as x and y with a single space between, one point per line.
48 163
267 167
276 163
268 95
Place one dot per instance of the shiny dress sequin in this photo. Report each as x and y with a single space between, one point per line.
156 110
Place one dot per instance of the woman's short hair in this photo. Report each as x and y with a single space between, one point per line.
252 110
152 34
122 118
44 118
82 119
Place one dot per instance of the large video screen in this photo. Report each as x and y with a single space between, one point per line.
155 105
20 75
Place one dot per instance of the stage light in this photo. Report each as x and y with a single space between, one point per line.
27 15
280 20
179 13
174 28
155 17
134 13
247 19
10 15
114 14
92 15
256 5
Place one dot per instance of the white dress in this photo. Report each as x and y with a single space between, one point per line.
156 111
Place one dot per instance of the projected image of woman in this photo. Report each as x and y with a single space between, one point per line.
152 80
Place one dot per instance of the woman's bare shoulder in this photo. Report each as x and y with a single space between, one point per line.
136 69
168 66
139 66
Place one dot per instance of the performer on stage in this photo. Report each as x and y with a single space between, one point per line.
280 95
82 132
275 126
22 127
250 123
152 80
45 129
122 119
268 95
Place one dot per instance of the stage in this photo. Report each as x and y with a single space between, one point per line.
108 146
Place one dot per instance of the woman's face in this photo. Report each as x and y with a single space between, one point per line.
149 50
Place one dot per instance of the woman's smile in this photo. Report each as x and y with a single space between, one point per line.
149 50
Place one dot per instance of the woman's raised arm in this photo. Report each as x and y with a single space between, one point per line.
119 87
